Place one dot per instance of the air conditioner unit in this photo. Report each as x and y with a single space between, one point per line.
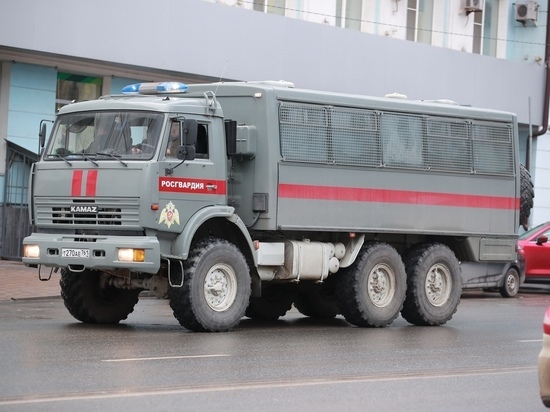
473 6
527 11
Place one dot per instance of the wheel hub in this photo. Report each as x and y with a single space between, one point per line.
511 281
438 285
380 285
220 287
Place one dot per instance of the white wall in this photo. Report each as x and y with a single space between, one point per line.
197 37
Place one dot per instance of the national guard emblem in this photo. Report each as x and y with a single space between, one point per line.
169 215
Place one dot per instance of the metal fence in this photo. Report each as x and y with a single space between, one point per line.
15 215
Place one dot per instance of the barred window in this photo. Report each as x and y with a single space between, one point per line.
314 133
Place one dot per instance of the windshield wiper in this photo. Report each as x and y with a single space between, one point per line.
84 156
61 157
89 158
117 157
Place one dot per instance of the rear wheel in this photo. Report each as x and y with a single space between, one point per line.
527 193
371 291
318 300
216 287
91 302
510 287
276 301
434 285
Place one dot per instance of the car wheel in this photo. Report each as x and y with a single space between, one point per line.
510 287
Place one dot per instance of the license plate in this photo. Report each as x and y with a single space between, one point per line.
75 253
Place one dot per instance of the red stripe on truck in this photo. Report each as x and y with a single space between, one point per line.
199 186
371 195
91 183
76 185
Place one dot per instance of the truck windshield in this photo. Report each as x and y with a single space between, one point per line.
119 135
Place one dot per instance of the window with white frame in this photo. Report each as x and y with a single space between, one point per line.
420 20
478 32
485 31
348 14
490 27
270 6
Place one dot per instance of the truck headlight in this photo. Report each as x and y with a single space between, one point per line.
131 255
31 251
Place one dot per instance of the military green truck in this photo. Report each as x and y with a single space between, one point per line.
239 199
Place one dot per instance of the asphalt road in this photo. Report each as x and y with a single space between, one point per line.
484 359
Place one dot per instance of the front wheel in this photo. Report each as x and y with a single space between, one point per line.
510 287
434 285
216 287
90 301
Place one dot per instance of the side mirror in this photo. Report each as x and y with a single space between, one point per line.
542 239
190 131
186 152
230 137
42 134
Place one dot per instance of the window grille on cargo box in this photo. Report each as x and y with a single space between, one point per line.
311 133
321 134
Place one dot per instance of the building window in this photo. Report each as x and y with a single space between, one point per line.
270 6
478 32
348 14
76 87
490 27
419 20
485 35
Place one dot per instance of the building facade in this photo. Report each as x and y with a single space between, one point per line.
486 53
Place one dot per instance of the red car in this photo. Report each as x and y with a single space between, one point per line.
533 245
544 361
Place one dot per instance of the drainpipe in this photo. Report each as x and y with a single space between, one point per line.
546 106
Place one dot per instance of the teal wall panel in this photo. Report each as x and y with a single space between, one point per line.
117 83
32 98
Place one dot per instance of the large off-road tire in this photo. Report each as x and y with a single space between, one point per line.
371 291
89 302
276 301
527 193
318 300
216 287
510 287
434 285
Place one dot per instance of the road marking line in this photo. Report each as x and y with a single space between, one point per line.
251 385
164 358
529 340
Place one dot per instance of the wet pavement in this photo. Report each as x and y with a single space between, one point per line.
21 282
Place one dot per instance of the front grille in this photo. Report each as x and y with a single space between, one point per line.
110 212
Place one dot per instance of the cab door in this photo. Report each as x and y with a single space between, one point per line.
187 186
537 256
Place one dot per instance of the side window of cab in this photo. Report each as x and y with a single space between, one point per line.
174 139
201 148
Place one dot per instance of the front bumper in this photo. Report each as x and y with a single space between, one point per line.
102 252
544 370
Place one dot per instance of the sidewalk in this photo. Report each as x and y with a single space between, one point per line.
20 282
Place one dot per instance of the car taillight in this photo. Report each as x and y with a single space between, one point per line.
546 322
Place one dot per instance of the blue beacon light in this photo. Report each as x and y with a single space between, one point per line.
155 88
